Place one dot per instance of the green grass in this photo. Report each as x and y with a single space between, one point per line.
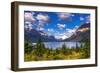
67 54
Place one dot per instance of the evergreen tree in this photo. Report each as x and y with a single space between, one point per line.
81 45
64 50
77 47
63 46
86 48
28 47
40 48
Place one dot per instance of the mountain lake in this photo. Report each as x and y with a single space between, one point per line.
55 45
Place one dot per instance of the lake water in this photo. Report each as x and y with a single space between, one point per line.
55 45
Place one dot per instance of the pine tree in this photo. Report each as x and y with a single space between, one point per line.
63 46
64 50
28 47
40 48
77 47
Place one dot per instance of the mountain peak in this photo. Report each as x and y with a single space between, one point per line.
83 32
85 25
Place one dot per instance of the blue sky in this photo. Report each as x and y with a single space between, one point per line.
61 25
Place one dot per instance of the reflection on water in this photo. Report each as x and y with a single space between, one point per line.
55 45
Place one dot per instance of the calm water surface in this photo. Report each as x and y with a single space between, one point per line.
55 45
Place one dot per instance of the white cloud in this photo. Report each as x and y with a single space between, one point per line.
40 25
50 30
76 27
72 30
67 29
27 22
41 29
66 34
88 19
61 26
81 18
42 20
28 25
33 13
62 36
64 15
72 15
29 17
42 17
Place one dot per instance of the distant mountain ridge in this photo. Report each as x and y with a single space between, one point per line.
82 33
86 25
34 35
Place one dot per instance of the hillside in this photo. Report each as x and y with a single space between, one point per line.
82 33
